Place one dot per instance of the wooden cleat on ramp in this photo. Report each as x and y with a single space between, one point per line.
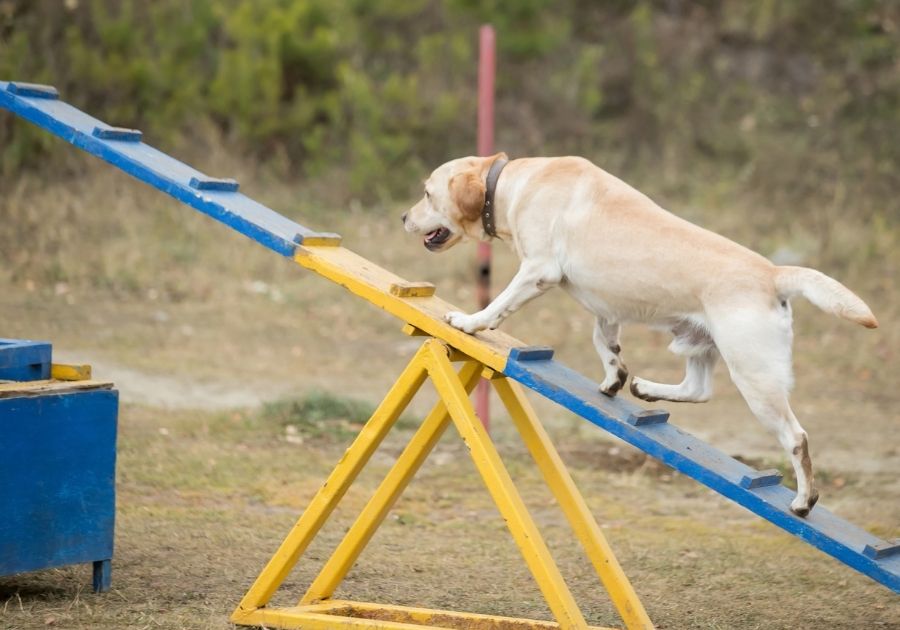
412 289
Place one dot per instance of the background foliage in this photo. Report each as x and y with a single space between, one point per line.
795 103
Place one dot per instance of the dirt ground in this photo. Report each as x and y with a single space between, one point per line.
208 484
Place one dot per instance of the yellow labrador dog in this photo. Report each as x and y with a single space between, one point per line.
626 260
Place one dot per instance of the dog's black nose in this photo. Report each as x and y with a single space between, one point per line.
403 218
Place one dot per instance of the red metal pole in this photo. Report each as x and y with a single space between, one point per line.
486 72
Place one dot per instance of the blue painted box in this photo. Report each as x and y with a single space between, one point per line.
57 470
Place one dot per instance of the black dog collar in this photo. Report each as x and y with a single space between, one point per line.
487 212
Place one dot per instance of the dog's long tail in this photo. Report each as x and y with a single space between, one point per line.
827 293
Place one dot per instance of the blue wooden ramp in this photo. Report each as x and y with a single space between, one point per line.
760 492
123 148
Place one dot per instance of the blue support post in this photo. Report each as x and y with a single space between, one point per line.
102 575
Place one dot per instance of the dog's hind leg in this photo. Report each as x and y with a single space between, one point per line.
693 342
606 341
757 349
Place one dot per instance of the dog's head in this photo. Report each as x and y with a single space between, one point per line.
451 207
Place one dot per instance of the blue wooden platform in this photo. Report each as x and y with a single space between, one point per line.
123 149
758 491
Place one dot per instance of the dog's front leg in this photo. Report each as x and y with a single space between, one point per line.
532 279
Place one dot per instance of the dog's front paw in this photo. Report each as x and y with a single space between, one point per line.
463 322
614 382
638 386
802 508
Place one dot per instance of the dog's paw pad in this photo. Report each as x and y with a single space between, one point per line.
612 388
804 510
635 388
460 321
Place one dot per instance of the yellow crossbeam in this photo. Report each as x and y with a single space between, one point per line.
365 616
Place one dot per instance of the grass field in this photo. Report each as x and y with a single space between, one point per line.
199 327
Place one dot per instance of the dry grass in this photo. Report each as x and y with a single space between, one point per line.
205 498
111 272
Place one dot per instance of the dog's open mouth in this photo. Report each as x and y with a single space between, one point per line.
438 237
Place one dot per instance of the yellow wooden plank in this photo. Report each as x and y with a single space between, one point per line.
322 241
433 618
487 460
299 619
11 386
412 289
64 372
330 494
573 505
36 388
373 283
365 616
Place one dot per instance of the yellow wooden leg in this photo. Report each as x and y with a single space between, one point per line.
573 505
404 469
331 492
501 487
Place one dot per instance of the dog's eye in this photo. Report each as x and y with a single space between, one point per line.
427 195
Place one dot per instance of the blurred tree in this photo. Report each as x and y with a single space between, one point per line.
794 99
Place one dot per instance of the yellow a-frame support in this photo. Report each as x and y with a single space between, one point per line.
316 609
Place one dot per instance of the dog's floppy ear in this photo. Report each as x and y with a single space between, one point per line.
467 192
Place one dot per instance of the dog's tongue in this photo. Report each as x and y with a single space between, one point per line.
431 235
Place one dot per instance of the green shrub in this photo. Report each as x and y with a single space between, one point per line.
381 91
321 415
